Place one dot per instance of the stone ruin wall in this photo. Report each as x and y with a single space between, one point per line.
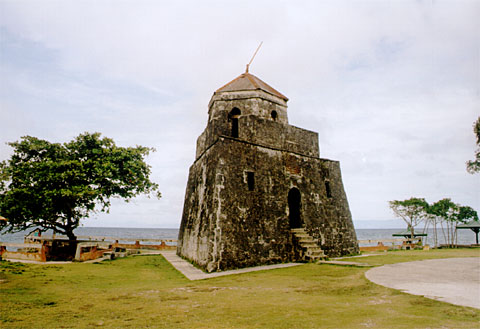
260 130
226 226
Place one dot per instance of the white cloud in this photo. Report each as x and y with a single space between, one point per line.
391 87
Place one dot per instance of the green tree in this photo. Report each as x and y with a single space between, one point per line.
53 186
413 211
441 212
449 215
473 166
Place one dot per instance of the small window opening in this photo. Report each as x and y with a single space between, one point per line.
233 117
274 115
328 189
251 180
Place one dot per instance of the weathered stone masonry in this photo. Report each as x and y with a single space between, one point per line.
255 178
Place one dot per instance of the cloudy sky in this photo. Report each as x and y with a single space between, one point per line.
392 87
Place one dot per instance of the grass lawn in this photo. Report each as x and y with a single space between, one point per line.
146 291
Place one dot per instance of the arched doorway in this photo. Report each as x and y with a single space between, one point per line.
294 208
233 117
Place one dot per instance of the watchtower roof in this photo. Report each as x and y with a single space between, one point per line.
247 81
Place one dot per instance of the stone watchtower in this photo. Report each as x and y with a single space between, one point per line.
258 192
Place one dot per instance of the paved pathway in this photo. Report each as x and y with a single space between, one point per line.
452 280
193 273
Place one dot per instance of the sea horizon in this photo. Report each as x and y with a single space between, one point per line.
464 236
358 224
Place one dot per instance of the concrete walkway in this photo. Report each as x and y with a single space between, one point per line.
193 273
451 280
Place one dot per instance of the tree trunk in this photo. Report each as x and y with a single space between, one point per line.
425 230
443 231
69 230
71 236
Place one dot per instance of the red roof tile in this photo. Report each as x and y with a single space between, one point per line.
247 81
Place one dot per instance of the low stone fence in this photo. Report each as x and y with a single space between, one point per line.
91 250
153 244
391 244
98 246
86 248
24 251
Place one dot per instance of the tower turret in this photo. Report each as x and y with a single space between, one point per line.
258 192
256 96
249 109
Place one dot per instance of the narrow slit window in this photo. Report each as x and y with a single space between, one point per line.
251 180
328 189
235 127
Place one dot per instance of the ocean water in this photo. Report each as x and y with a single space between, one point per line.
463 236
117 232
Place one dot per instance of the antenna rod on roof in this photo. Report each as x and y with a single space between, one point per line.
256 51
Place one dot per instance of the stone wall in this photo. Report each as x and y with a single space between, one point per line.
257 103
226 224
258 130
248 161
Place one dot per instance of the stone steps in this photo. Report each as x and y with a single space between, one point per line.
312 252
